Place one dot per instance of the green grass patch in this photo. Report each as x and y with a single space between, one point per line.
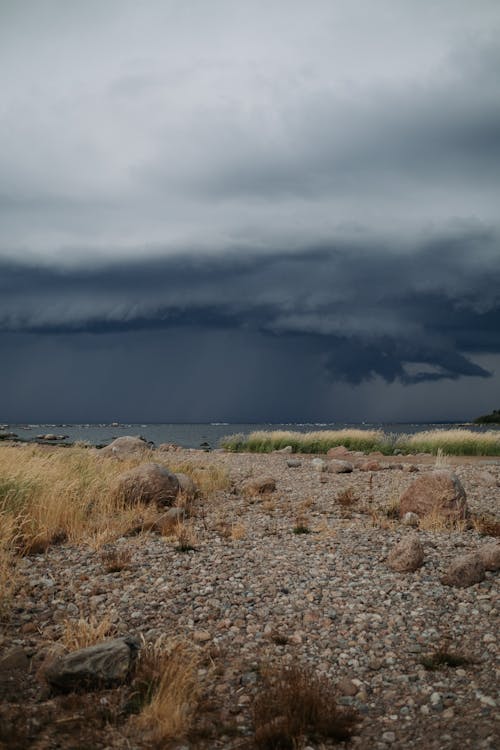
454 442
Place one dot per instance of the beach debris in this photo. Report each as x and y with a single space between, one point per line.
105 664
464 571
148 483
438 492
407 555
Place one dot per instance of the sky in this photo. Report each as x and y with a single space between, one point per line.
265 211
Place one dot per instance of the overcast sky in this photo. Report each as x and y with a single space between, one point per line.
227 210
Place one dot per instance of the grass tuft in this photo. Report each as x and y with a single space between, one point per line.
444 658
295 704
166 691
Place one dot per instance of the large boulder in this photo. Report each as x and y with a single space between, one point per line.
126 447
464 570
407 555
437 492
148 483
106 664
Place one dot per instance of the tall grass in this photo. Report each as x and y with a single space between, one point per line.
309 442
454 442
451 442
53 495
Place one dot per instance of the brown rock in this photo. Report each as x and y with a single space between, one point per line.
338 452
490 555
370 466
347 687
15 659
437 492
260 486
148 483
407 555
125 447
465 570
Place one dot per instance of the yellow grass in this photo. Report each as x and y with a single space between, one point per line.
319 441
168 676
82 633
454 442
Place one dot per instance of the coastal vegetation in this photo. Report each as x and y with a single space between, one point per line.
493 418
457 442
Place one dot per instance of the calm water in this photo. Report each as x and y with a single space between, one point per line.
193 435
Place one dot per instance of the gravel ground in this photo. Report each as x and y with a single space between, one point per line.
253 593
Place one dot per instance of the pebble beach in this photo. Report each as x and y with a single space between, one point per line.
291 576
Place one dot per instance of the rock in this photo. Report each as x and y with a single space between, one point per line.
347 687
336 466
262 486
105 664
437 492
125 447
286 449
465 570
410 519
319 464
169 521
293 463
49 436
15 659
201 636
370 466
340 451
410 468
407 555
148 483
490 555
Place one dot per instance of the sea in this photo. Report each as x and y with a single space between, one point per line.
204 435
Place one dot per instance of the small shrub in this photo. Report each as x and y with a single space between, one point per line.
347 498
295 704
115 560
444 658
486 525
187 539
301 526
391 509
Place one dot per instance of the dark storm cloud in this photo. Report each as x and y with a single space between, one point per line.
363 311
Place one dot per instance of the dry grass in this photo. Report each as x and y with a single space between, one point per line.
8 564
437 522
295 704
347 498
186 536
166 691
453 442
486 525
114 560
83 633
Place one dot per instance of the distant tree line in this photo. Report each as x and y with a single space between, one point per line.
493 418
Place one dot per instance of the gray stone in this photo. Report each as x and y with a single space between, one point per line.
125 447
105 664
293 463
336 466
